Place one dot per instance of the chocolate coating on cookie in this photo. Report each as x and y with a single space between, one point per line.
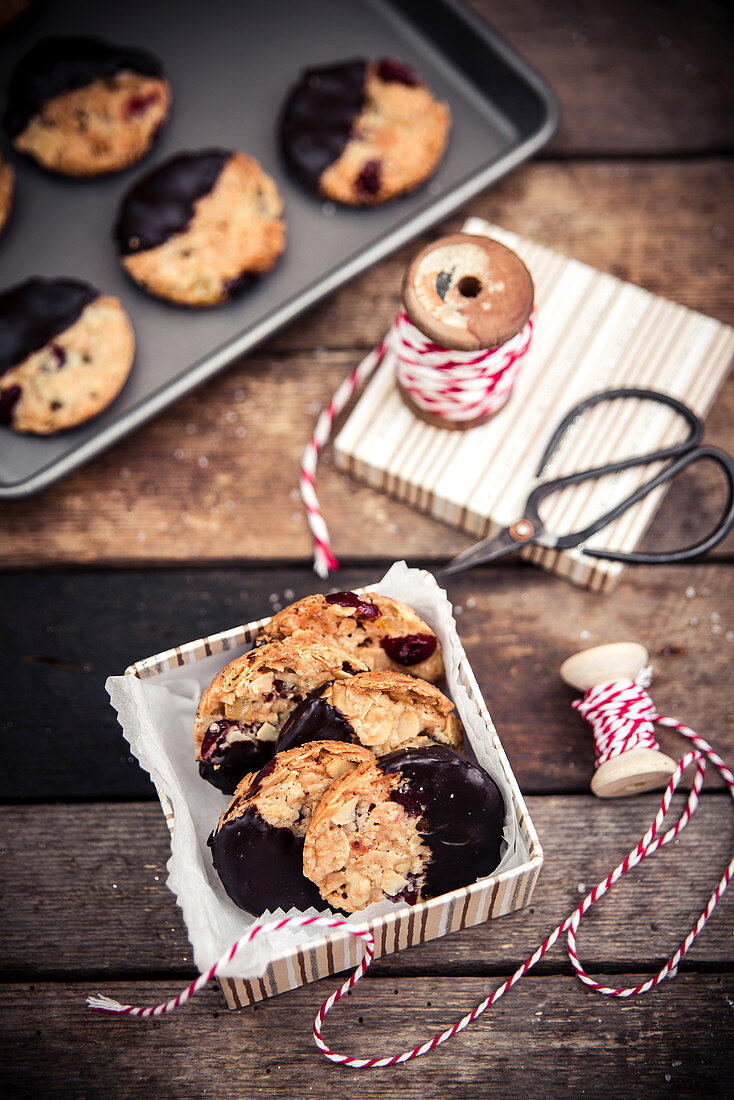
361 133
382 710
57 65
224 762
257 847
243 710
314 720
65 354
318 118
162 203
461 814
34 312
261 865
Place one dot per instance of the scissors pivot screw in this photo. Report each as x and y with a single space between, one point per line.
522 530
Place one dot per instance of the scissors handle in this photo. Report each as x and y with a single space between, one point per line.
720 530
694 422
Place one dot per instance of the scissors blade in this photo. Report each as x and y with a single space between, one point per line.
495 546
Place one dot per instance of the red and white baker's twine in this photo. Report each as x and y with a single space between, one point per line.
631 699
620 716
456 385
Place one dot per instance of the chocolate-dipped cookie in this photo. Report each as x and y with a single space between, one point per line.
361 132
65 353
382 710
410 826
257 847
83 107
382 632
199 229
246 705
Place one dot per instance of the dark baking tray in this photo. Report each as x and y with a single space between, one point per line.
230 63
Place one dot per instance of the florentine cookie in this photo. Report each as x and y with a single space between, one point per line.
200 228
83 107
257 847
65 353
363 132
382 632
7 190
383 710
246 705
410 826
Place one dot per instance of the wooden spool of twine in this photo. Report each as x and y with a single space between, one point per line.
456 346
628 758
470 299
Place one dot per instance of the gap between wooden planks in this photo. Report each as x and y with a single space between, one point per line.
548 1037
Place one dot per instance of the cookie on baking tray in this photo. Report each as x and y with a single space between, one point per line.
382 710
414 824
361 132
246 705
382 632
7 191
65 353
200 228
257 847
84 107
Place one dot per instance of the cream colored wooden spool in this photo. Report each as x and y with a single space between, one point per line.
466 293
638 769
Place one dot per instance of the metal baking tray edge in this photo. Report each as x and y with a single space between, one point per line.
432 18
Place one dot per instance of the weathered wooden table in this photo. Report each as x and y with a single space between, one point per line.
194 522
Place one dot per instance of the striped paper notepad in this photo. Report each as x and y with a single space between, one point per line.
593 332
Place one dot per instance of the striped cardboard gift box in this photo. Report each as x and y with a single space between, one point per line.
489 897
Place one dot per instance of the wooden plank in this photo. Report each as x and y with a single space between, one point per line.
629 77
188 486
546 1038
83 891
66 632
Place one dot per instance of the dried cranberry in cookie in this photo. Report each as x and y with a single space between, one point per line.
362 133
246 705
257 847
200 228
413 825
65 353
83 107
382 710
383 632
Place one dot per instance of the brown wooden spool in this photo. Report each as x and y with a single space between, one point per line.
634 771
466 293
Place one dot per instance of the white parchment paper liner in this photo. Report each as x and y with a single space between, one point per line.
157 720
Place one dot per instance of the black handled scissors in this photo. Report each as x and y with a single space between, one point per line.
529 528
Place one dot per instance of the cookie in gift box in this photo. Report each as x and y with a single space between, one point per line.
246 705
382 710
382 632
416 824
257 847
